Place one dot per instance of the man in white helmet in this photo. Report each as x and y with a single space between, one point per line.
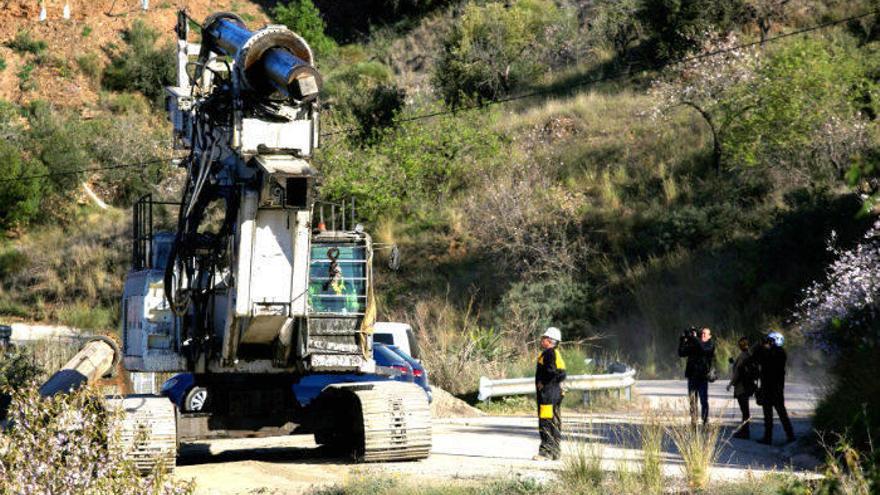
772 358
549 374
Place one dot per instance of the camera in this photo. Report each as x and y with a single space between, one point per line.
689 333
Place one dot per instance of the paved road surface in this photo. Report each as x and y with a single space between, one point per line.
482 447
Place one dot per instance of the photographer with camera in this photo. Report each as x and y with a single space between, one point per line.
699 349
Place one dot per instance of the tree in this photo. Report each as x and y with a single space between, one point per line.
715 86
141 66
679 26
809 99
764 13
20 198
497 47
303 18
616 23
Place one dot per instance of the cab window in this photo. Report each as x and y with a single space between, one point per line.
345 293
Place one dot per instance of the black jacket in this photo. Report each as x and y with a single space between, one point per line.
772 362
700 357
549 374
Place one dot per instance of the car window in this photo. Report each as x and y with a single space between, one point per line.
383 338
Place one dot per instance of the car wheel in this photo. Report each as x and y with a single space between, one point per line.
196 399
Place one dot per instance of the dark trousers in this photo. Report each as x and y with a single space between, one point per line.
778 403
551 434
698 389
743 401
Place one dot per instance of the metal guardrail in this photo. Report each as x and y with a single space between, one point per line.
524 386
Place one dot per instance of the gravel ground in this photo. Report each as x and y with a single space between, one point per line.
486 447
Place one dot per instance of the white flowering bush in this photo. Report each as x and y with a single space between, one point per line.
840 308
840 315
59 446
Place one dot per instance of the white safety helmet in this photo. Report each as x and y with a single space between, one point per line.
777 339
553 333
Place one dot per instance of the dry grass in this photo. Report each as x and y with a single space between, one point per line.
582 454
651 435
455 347
699 448
71 275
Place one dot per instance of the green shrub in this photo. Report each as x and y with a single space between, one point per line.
14 309
90 65
303 18
615 24
141 66
410 169
20 198
560 301
23 43
12 261
365 92
25 77
376 109
18 368
59 144
852 406
495 48
2 64
85 316
124 103
86 31
806 96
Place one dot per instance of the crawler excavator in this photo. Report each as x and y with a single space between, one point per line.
250 293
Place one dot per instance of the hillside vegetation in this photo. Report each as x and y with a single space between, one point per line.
627 197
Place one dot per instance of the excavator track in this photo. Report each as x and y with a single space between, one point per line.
148 431
396 421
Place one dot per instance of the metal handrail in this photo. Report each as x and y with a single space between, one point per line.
524 386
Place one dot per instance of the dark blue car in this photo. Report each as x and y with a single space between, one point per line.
390 365
420 374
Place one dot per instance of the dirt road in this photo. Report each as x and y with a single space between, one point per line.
483 447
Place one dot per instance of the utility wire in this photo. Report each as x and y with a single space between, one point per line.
648 65
85 170
614 76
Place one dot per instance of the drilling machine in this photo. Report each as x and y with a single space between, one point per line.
249 294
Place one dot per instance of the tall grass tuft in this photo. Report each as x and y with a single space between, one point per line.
651 434
699 448
582 462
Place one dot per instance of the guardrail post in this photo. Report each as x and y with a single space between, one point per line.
628 393
586 398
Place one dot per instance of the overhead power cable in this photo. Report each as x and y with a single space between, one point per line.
629 72
84 170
